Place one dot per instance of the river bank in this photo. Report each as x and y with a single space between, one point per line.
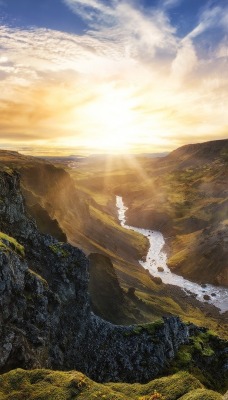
156 263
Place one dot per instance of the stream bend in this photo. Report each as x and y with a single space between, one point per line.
156 257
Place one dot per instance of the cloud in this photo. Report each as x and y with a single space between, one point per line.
222 50
186 60
128 74
171 3
138 32
91 9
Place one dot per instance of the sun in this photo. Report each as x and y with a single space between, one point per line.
111 122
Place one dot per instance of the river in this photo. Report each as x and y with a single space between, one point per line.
156 257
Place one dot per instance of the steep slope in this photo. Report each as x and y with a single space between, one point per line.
51 189
45 318
108 299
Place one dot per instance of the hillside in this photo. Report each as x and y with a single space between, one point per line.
184 195
187 199
84 210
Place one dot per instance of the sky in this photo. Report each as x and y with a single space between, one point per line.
112 76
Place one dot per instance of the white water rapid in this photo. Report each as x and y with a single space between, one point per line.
156 257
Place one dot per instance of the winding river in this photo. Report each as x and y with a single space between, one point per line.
156 257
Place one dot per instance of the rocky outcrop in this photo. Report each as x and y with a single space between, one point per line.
45 317
107 298
41 315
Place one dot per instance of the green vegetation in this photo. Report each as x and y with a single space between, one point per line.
201 346
59 250
7 243
54 385
150 328
39 277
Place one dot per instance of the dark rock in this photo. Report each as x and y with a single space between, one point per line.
160 269
107 298
206 297
157 280
131 292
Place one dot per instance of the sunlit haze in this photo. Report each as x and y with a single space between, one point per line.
112 76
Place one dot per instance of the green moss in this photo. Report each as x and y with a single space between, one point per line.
8 243
201 347
59 250
201 344
39 277
55 385
170 387
150 328
184 356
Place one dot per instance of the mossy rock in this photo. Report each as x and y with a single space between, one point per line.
8 243
55 385
58 248
201 357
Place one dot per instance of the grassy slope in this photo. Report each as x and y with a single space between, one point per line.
53 385
189 188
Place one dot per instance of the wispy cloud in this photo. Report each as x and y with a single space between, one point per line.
209 19
171 3
139 32
91 9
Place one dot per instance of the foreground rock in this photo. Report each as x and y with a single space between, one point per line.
49 385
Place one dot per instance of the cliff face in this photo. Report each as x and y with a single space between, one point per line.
41 315
45 318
